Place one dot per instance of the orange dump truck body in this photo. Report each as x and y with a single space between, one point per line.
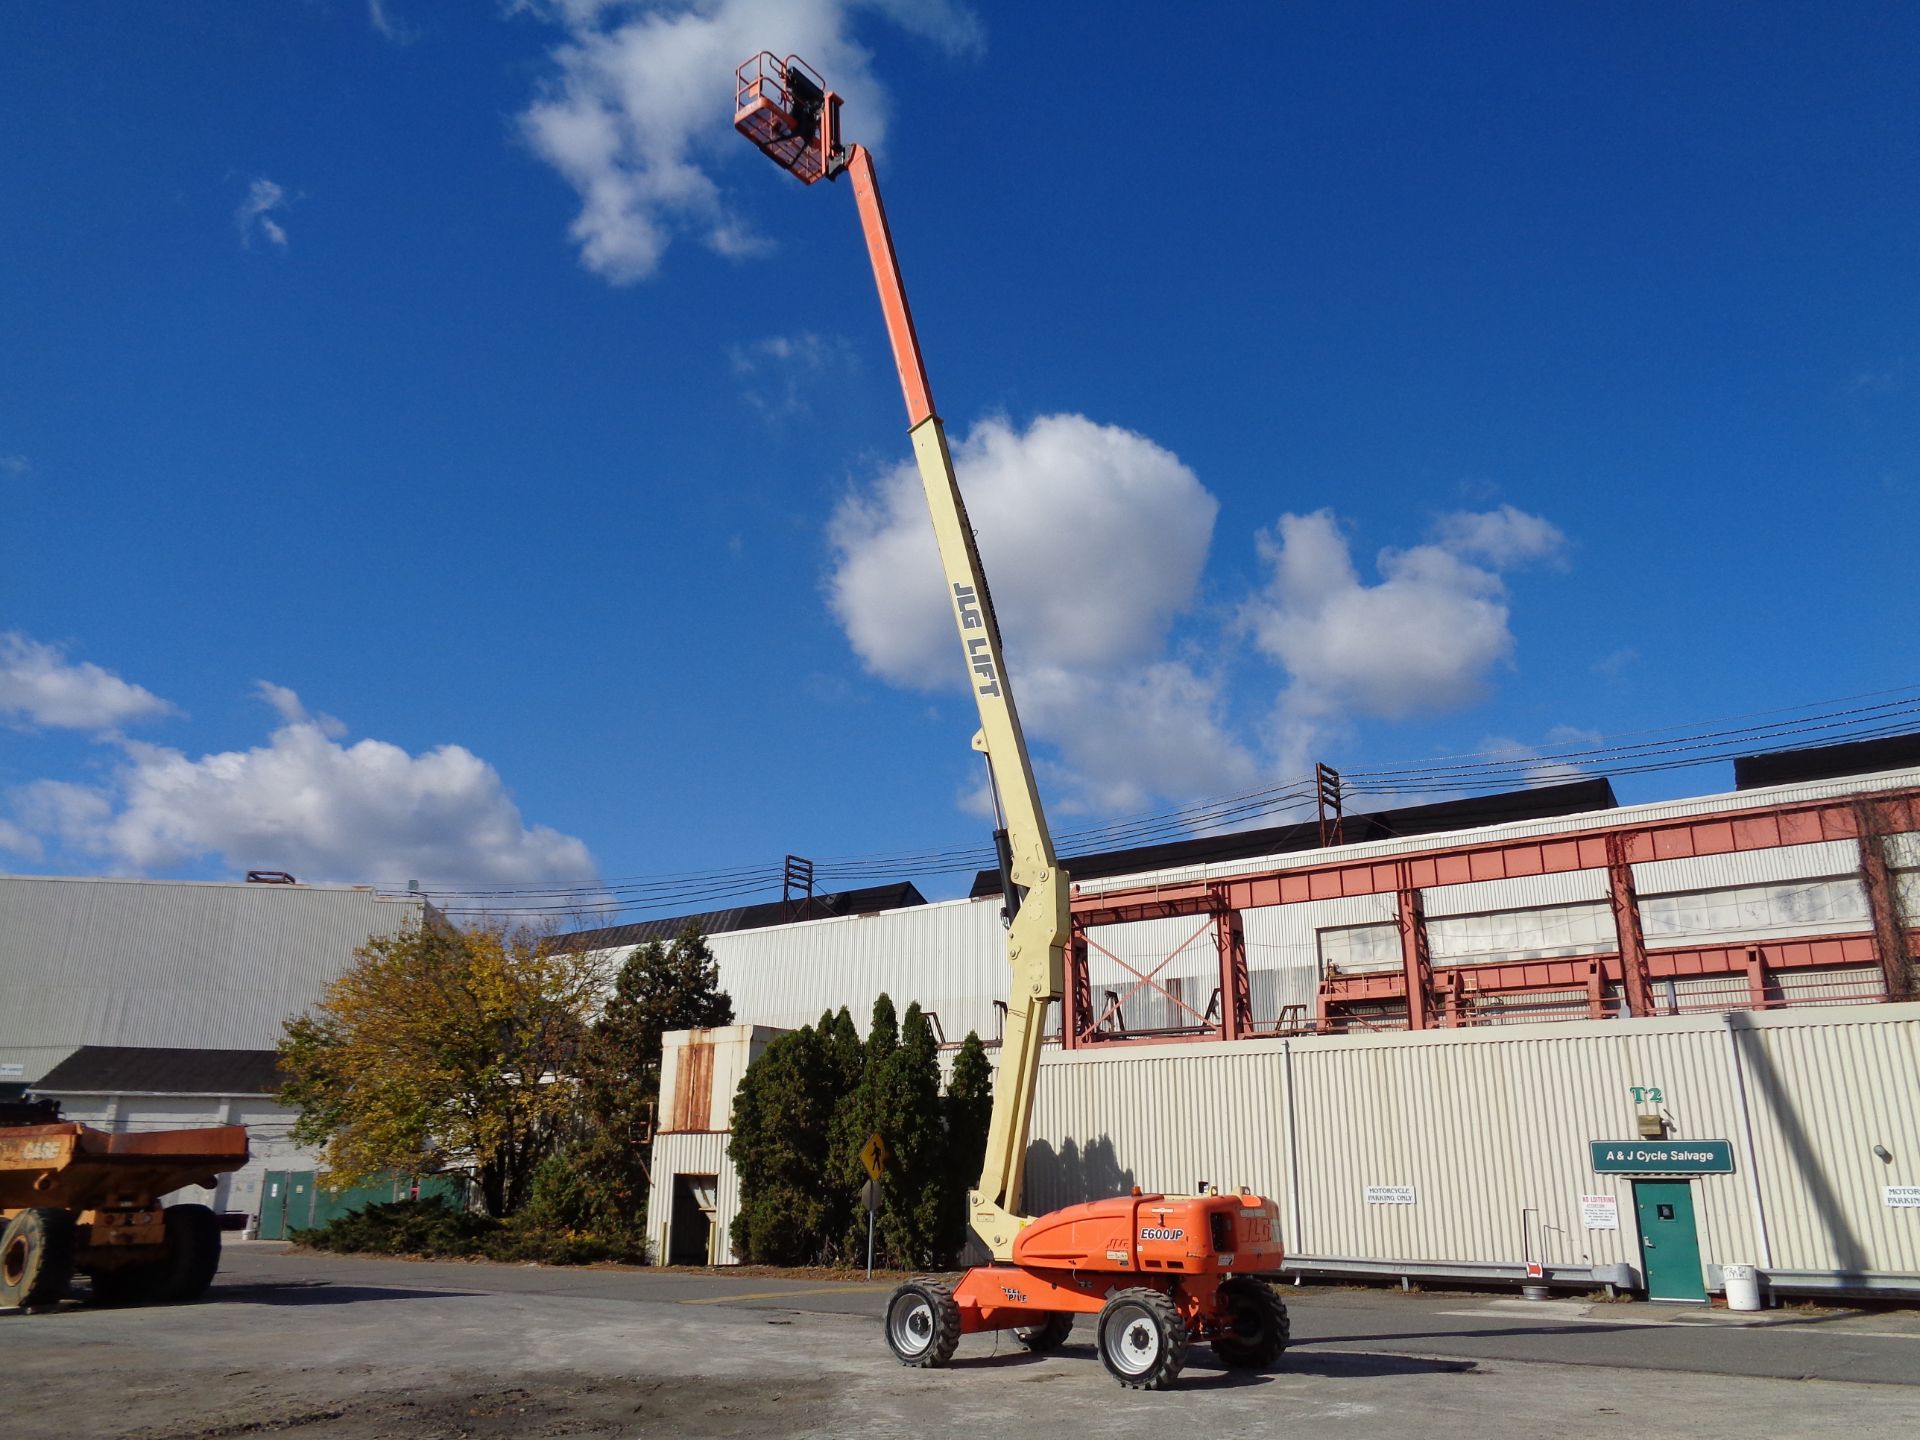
75 1167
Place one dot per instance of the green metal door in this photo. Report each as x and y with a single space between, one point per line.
286 1202
1669 1244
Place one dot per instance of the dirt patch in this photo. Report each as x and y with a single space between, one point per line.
486 1407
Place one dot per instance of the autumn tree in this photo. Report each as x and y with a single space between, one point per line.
442 1050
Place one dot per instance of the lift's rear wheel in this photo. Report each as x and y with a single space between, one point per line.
1143 1339
1256 1327
923 1324
1050 1334
36 1258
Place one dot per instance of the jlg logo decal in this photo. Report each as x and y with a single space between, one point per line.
1158 1234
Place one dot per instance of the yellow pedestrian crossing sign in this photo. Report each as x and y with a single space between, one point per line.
873 1155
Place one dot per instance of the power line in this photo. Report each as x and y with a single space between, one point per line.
1676 747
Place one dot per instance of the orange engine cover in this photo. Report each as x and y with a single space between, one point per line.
1157 1234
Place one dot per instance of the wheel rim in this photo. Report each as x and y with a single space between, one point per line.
14 1266
1133 1340
910 1324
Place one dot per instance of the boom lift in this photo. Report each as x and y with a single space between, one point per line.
1159 1271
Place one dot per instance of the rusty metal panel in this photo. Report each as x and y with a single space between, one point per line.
693 1096
700 1071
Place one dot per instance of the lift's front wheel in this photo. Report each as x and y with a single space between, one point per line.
923 1324
1142 1339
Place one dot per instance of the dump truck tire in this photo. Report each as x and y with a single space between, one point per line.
36 1258
1257 1328
923 1324
193 1253
1049 1335
138 1284
1142 1339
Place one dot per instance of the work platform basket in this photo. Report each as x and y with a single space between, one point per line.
785 108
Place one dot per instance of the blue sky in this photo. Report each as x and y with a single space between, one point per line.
433 445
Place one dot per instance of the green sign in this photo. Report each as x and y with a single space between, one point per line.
1662 1157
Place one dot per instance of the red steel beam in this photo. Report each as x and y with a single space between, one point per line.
1801 823
1627 933
1574 972
1416 972
1896 961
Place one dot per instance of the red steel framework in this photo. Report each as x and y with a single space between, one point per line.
1421 995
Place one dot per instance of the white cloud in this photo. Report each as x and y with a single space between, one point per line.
15 464
1095 539
288 706
1501 537
1424 638
778 372
16 841
640 107
256 213
40 686
308 803
1554 763
387 25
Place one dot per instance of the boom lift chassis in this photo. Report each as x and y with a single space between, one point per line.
1159 1271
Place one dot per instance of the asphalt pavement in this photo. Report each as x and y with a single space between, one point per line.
1879 1346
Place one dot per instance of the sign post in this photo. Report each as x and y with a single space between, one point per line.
873 1155
870 1197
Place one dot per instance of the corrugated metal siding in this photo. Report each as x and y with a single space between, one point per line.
1748 867
1823 1097
691 1154
121 962
950 957
1527 892
1486 1124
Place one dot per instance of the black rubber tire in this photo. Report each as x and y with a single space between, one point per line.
36 1258
1142 1339
138 1284
193 1254
1258 1330
1047 1336
922 1324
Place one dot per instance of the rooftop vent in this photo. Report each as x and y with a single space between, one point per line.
270 877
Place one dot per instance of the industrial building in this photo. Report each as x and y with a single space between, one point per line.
155 1005
1412 1031
1506 1050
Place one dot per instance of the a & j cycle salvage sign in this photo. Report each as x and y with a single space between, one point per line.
1662 1157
